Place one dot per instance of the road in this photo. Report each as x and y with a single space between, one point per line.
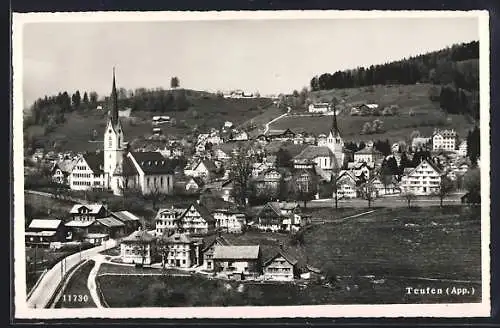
394 201
275 119
91 283
41 295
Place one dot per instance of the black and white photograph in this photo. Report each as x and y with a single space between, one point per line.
251 164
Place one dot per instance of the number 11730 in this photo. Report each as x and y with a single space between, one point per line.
75 298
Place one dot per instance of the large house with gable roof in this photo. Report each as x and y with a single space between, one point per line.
425 179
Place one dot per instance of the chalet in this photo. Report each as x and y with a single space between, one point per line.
92 231
229 220
160 119
346 185
279 216
237 262
180 250
87 212
241 136
209 245
220 155
43 232
131 221
61 171
367 109
389 188
195 219
138 248
281 266
425 179
368 155
270 179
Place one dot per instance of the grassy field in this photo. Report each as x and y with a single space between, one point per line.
412 98
45 259
46 207
422 242
205 112
78 286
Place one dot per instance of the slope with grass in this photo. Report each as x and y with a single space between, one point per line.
425 115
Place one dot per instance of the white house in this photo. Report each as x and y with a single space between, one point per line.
444 140
88 172
425 179
346 185
138 248
229 220
368 155
319 108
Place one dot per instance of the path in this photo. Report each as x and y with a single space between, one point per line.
91 282
47 287
275 119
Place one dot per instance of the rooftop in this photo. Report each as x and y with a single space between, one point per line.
236 252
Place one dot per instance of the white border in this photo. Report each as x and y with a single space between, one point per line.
396 310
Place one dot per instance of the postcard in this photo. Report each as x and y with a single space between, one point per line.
266 164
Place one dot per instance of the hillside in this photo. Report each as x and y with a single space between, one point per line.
205 111
409 98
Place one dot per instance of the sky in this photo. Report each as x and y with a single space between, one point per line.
268 56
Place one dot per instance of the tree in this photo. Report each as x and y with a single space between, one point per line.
367 128
368 193
472 180
86 99
241 170
76 100
174 82
409 197
335 183
93 98
445 188
283 158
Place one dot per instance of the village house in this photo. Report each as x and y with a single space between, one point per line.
240 136
209 244
229 220
131 221
112 227
87 173
367 109
281 267
195 219
203 168
42 233
279 216
368 155
61 171
91 231
87 212
361 170
319 108
381 189
180 250
444 140
238 262
138 248
194 184
346 185
270 180
425 179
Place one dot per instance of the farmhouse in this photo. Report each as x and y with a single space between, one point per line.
138 248
204 169
238 262
88 212
43 232
131 221
462 149
88 172
346 185
61 171
275 216
209 245
425 179
281 266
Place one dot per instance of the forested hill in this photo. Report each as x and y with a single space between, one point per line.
455 70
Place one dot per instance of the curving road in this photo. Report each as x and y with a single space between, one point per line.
275 119
43 292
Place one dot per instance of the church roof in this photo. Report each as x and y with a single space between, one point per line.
312 152
152 162
128 169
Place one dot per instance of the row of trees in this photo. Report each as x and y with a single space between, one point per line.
437 67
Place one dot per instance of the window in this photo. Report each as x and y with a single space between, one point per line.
110 142
161 181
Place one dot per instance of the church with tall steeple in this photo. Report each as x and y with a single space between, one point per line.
328 155
116 168
114 143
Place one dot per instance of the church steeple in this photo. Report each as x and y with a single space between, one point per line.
114 102
335 128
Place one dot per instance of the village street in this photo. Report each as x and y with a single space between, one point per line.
275 119
47 287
